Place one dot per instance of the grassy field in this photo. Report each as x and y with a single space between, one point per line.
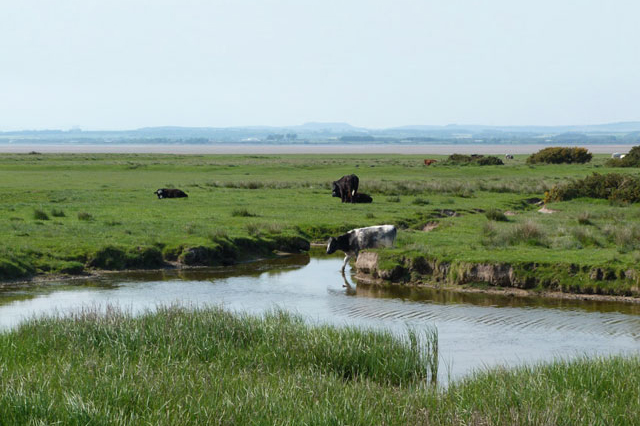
71 213
181 366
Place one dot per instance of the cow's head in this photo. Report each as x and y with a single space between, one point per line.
159 193
332 245
335 190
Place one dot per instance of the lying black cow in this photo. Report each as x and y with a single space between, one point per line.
362 238
345 188
361 197
170 193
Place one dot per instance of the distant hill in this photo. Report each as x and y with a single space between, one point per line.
340 133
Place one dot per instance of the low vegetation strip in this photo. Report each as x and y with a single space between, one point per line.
180 366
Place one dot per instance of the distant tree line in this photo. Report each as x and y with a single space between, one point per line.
282 137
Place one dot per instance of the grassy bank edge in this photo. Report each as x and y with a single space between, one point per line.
410 267
222 251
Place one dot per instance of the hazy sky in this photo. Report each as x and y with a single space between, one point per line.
112 64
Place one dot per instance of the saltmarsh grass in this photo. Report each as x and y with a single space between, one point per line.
201 366
183 366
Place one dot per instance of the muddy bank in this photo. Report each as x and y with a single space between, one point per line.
558 280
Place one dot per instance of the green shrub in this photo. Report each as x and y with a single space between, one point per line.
559 155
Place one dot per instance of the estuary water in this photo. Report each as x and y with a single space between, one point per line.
475 330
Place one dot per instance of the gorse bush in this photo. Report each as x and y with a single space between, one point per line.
632 159
559 155
474 159
612 186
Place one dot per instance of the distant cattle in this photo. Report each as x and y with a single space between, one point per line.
508 157
618 155
170 193
429 161
361 197
345 188
362 238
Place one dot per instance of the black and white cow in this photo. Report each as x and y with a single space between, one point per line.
345 187
170 193
362 238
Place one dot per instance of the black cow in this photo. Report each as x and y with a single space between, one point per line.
345 188
361 197
170 193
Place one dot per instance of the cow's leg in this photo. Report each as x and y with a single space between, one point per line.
346 260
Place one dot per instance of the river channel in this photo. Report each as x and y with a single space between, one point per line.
475 330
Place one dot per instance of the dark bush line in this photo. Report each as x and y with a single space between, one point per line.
559 155
614 187
474 159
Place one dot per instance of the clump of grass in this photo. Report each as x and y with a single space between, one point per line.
369 215
527 232
218 234
394 199
253 229
585 236
113 223
497 215
57 213
242 213
273 228
40 215
420 201
85 216
191 228
584 218
626 237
